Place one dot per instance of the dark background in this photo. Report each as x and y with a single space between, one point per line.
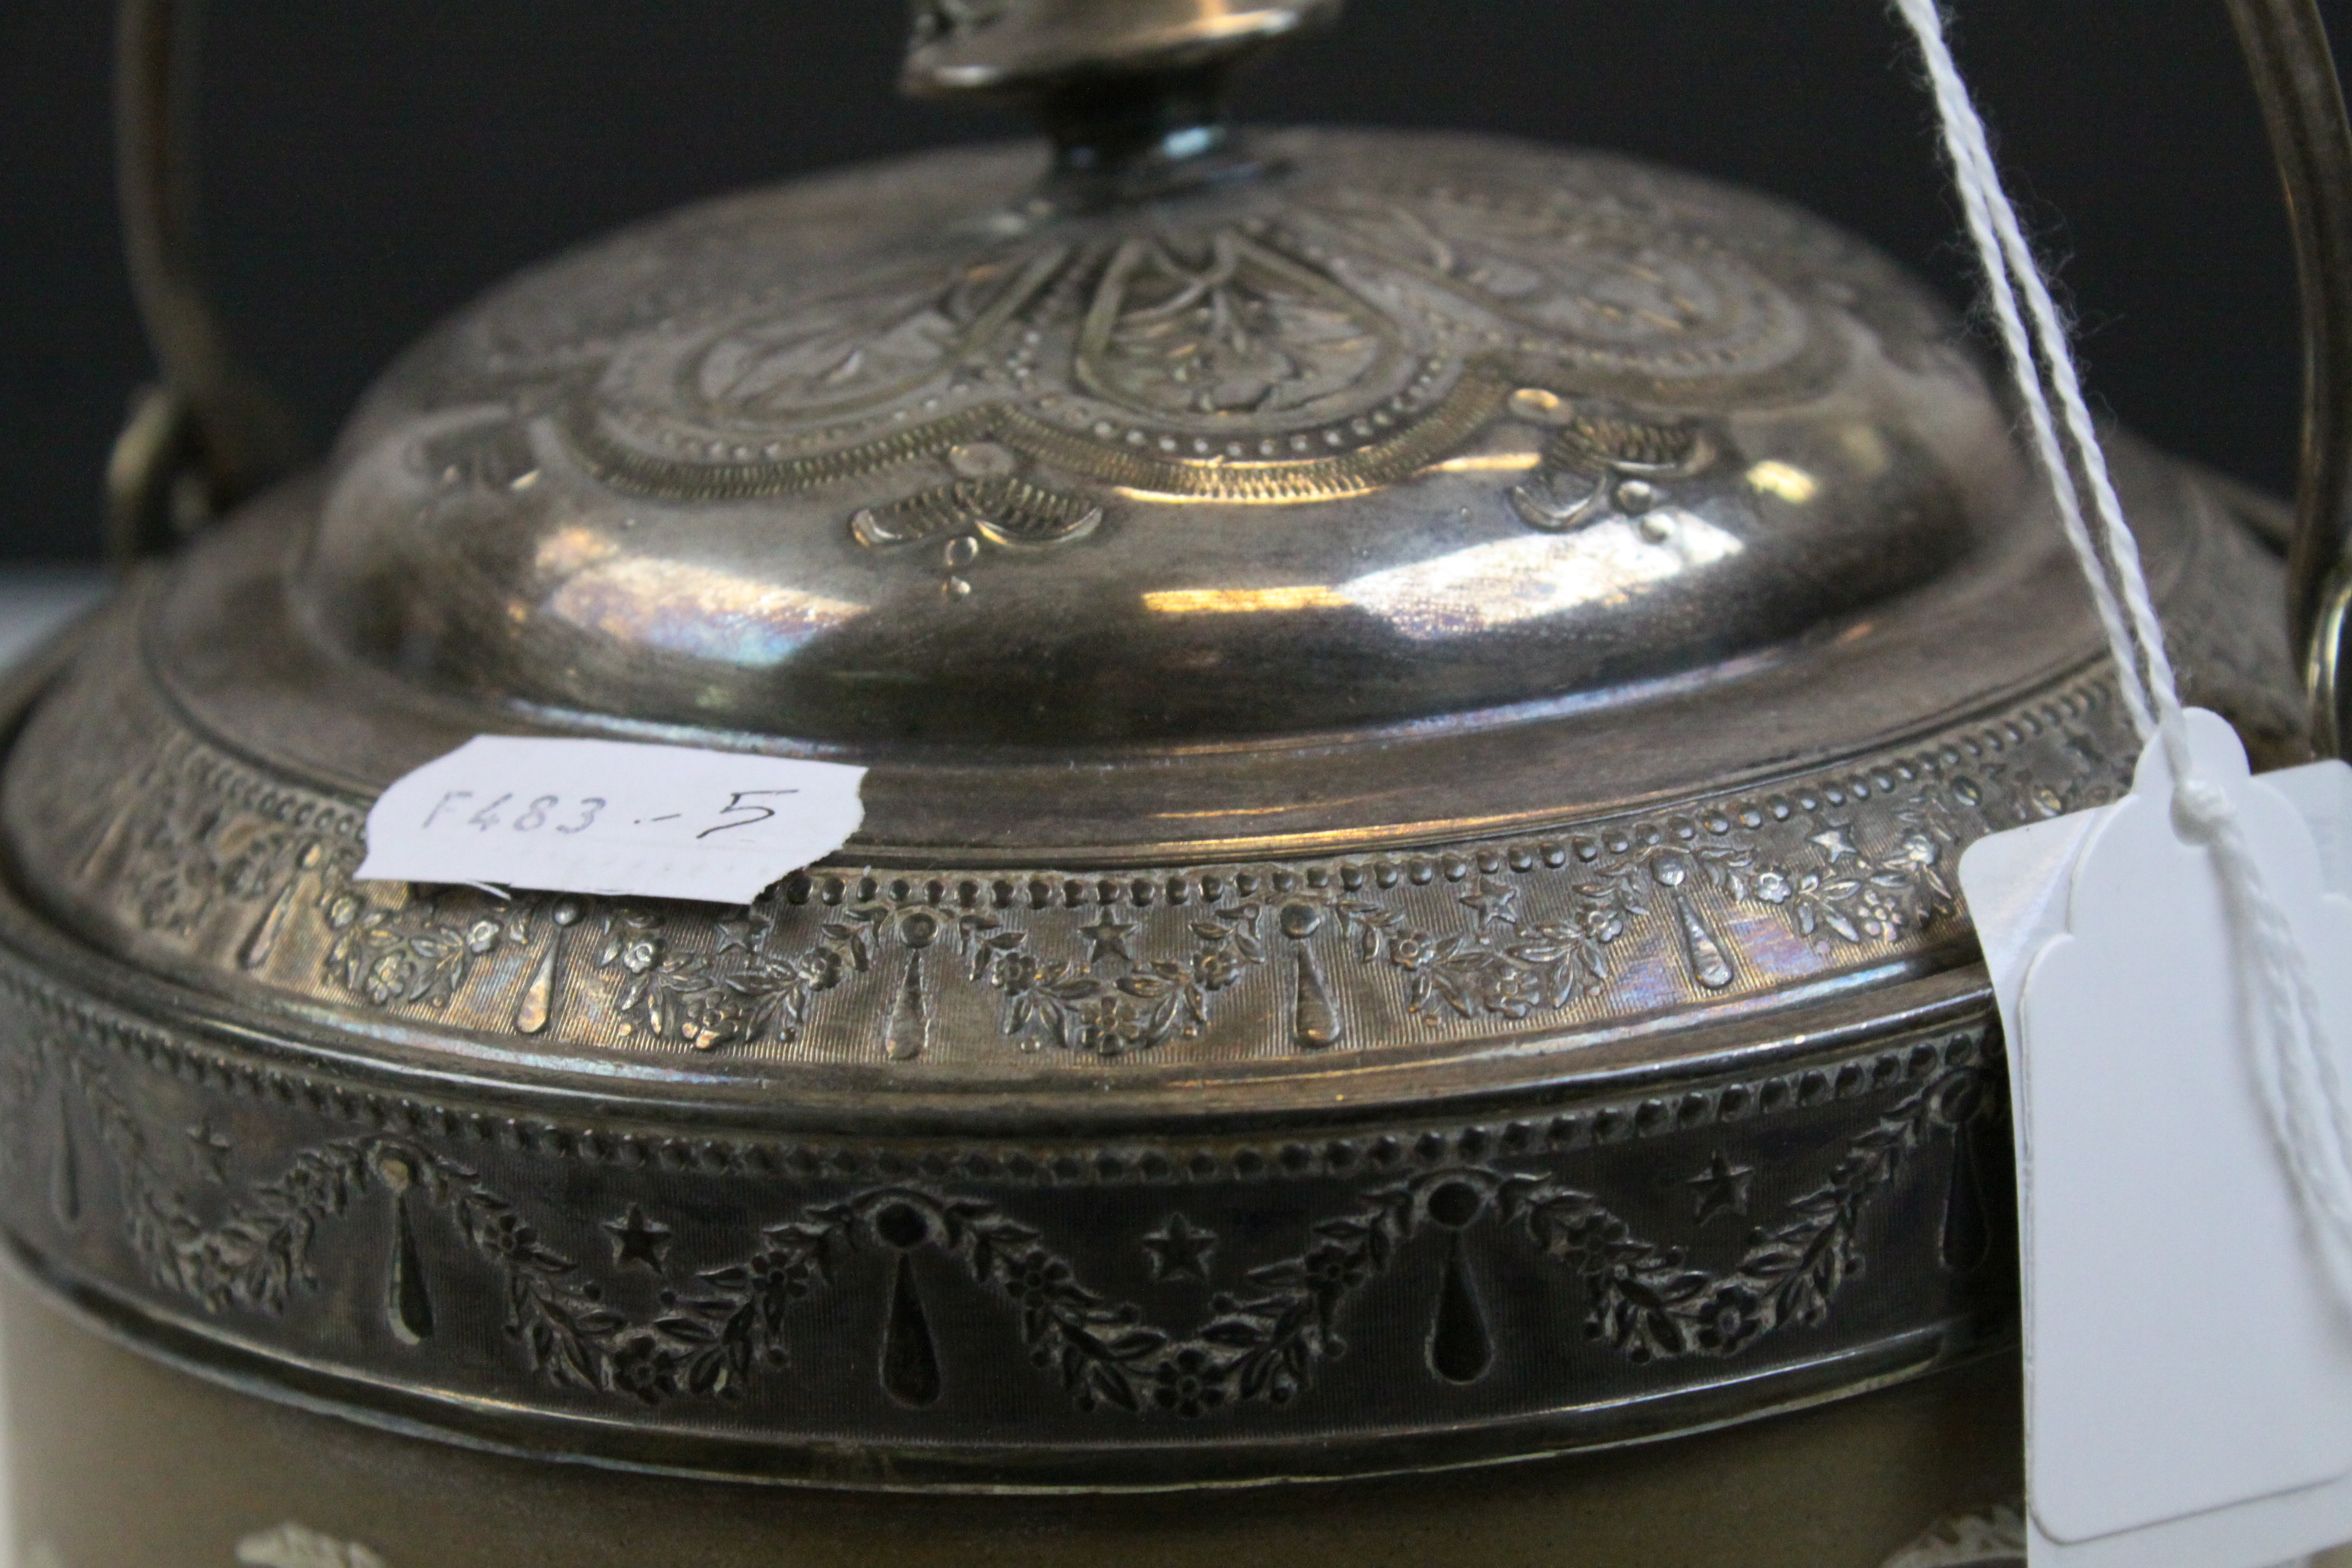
371 164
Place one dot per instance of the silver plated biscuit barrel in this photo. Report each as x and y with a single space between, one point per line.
1423 696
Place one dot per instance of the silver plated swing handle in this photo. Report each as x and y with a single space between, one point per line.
2286 46
207 434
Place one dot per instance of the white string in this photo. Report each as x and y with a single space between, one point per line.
1962 131
2294 1066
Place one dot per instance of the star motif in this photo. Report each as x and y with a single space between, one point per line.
1107 936
637 1239
1491 901
211 1149
1724 1188
1836 842
1180 1251
736 934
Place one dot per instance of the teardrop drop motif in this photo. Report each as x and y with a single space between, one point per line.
535 1010
910 1361
408 1305
910 1015
1709 965
1315 1022
1967 1240
122 810
65 1169
263 939
1460 1346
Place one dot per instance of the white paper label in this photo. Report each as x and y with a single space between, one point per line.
2188 1365
611 817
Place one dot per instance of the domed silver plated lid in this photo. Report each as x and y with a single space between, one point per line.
1422 696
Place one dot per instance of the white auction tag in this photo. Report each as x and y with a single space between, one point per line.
611 817
2188 1365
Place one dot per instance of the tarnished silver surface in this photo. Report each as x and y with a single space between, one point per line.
1423 697
168 844
762 1286
1493 593
1418 427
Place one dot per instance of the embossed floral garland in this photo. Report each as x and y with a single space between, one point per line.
205 853
757 981
716 1333
745 988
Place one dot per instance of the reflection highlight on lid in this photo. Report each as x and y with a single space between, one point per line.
1245 601
697 611
1500 583
1785 481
